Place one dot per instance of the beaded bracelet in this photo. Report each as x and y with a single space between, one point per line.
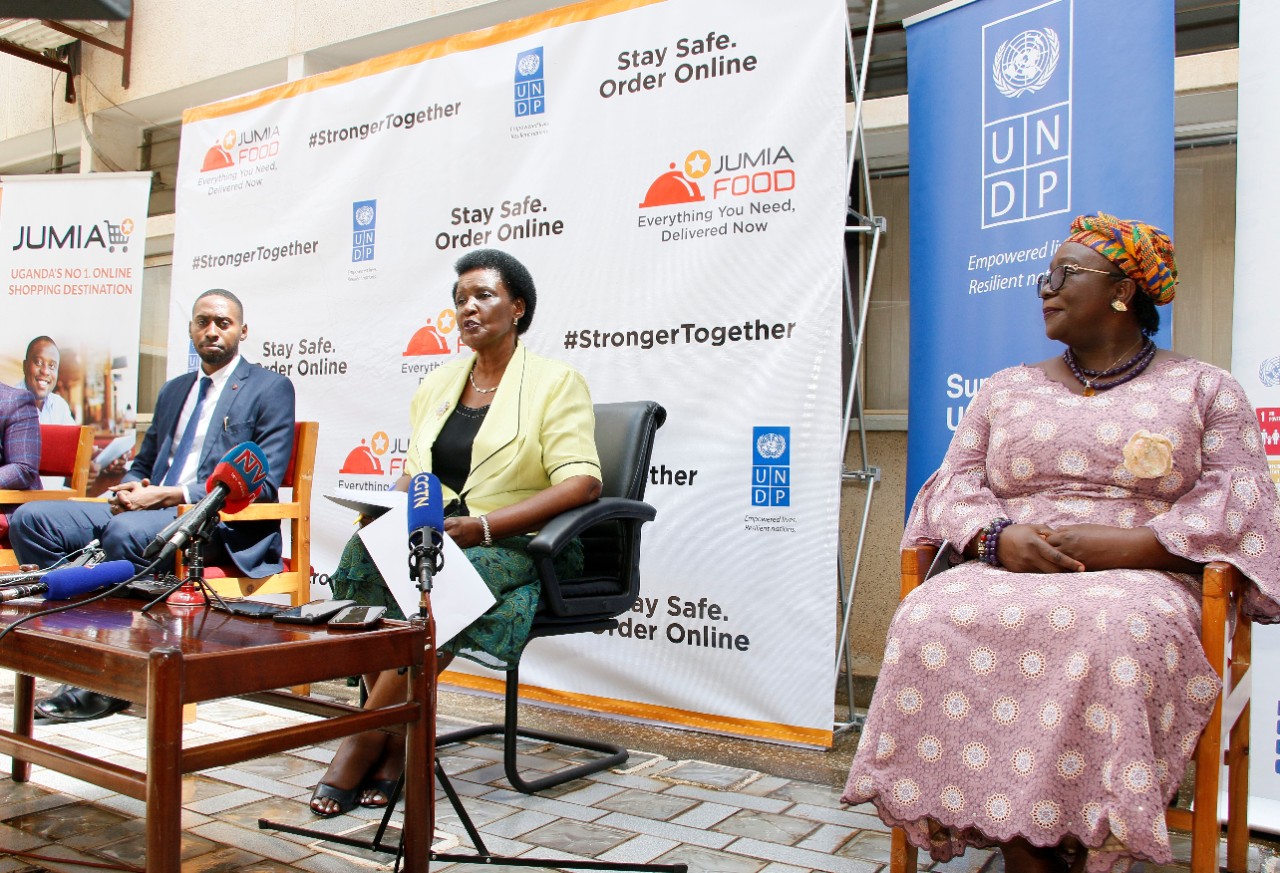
488 539
989 540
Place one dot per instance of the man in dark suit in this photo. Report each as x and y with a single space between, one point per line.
198 417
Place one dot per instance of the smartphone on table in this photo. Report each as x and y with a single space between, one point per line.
314 612
354 617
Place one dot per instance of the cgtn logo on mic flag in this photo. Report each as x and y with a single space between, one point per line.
1026 115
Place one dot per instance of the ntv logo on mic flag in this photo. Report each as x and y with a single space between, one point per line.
1026 115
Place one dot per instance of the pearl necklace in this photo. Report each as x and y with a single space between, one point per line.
1135 365
472 376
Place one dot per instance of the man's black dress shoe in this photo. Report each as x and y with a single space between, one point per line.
77 704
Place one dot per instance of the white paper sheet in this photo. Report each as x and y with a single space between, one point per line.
458 595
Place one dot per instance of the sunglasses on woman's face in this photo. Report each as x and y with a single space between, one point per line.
1057 277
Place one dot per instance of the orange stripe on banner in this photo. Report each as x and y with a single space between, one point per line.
496 35
766 730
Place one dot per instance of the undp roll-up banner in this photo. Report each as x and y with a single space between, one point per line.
1255 351
1024 114
71 259
672 174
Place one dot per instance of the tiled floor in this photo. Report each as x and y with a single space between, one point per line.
710 816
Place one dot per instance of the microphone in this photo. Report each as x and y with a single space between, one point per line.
69 582
88 556
426 529
234 484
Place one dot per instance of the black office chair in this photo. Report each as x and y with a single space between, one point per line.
610 584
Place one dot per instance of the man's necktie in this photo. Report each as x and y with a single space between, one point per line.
188 436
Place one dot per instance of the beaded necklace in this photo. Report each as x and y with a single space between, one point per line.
1135 365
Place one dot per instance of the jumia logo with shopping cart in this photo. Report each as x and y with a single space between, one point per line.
105 234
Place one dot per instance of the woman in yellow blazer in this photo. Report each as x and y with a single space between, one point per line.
511 436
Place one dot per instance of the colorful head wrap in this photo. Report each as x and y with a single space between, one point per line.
1144 252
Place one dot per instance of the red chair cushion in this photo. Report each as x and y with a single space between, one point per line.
58 445
230 572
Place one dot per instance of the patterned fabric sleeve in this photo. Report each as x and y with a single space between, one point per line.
20 445
956 501
1232 512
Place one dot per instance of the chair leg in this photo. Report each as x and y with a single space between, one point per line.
1238 795
902 855
511 733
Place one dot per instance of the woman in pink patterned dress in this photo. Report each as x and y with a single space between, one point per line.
1046 695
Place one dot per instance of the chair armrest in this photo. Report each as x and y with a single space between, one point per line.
263 512
557 533
9 495
1222 579
915 563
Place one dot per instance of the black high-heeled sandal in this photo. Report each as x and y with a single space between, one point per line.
385 787
347 799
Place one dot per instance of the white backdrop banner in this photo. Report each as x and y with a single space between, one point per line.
71 259
1255 351
672 173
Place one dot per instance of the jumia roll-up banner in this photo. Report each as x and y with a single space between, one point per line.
1024 114
1255 352
71 258
672 174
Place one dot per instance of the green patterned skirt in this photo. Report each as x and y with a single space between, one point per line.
496 638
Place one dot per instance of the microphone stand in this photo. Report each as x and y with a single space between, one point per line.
193 590
426 558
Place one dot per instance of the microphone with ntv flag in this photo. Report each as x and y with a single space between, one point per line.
235 482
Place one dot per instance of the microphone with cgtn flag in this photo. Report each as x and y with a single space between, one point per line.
426 529
70 582
234 484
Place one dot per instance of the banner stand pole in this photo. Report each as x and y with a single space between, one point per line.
856 313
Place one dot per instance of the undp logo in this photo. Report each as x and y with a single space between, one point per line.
530 84
1269 372
771 466
1026 115
1025 63
364 218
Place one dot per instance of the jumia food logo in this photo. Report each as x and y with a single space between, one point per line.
104 235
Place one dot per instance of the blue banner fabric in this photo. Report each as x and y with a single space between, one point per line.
1024 114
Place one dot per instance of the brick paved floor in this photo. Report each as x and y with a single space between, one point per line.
712 816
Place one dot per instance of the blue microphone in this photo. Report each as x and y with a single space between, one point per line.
71 582
426 529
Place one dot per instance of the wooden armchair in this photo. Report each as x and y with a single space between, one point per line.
295 580
1223 587
65 450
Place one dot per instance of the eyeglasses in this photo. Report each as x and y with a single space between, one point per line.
1057 277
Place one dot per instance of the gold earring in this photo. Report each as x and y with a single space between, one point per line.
1118 306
